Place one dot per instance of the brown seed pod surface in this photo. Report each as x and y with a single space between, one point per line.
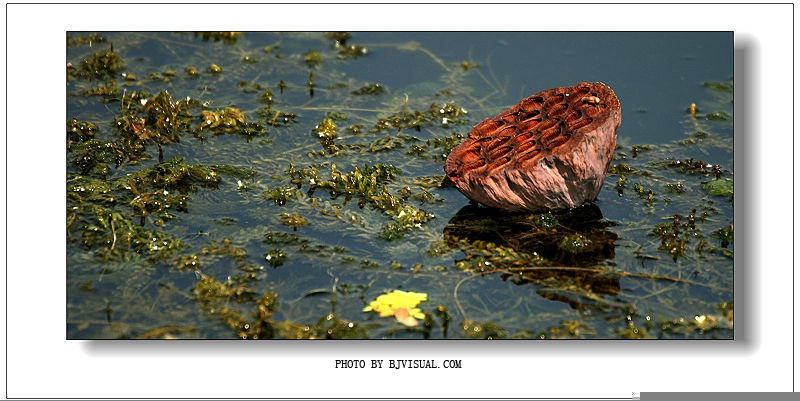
550 151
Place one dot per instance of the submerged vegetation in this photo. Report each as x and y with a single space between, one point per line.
263 186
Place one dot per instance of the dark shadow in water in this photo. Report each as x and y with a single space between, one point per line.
575 238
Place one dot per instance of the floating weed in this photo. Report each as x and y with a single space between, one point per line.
369 185
701 322
114 237
234 171
79 131
718 116
626 169
312 58
370 89
437 148
676 234
724 235
355 129
695 138
636 149
159 202
293 220
719 187
675 188
647 194
726 308
280 195
81 40
267 97
545 220
567 329
223 121
430 181
215 296
386 143
621 181
282 238
339 38
167 116
336 115
173 174
229 38
327 133
84 188
328 327
275 257
351 51
277 118
423 196
109 91
214 69
94 156
158 120
719 86
224 248
689 166
103 65
250 87
575 243
408 218
438 114
189 262
633 332
488 330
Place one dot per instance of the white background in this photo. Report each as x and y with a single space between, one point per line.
41 363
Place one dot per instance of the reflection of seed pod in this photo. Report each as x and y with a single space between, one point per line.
549 151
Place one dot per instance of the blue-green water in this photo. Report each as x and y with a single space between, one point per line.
475 265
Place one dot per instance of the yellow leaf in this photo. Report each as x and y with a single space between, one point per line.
400 304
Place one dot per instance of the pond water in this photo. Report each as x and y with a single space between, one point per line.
272 185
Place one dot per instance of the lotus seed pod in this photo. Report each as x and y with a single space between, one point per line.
550 151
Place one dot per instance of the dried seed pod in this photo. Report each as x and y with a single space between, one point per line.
549 151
